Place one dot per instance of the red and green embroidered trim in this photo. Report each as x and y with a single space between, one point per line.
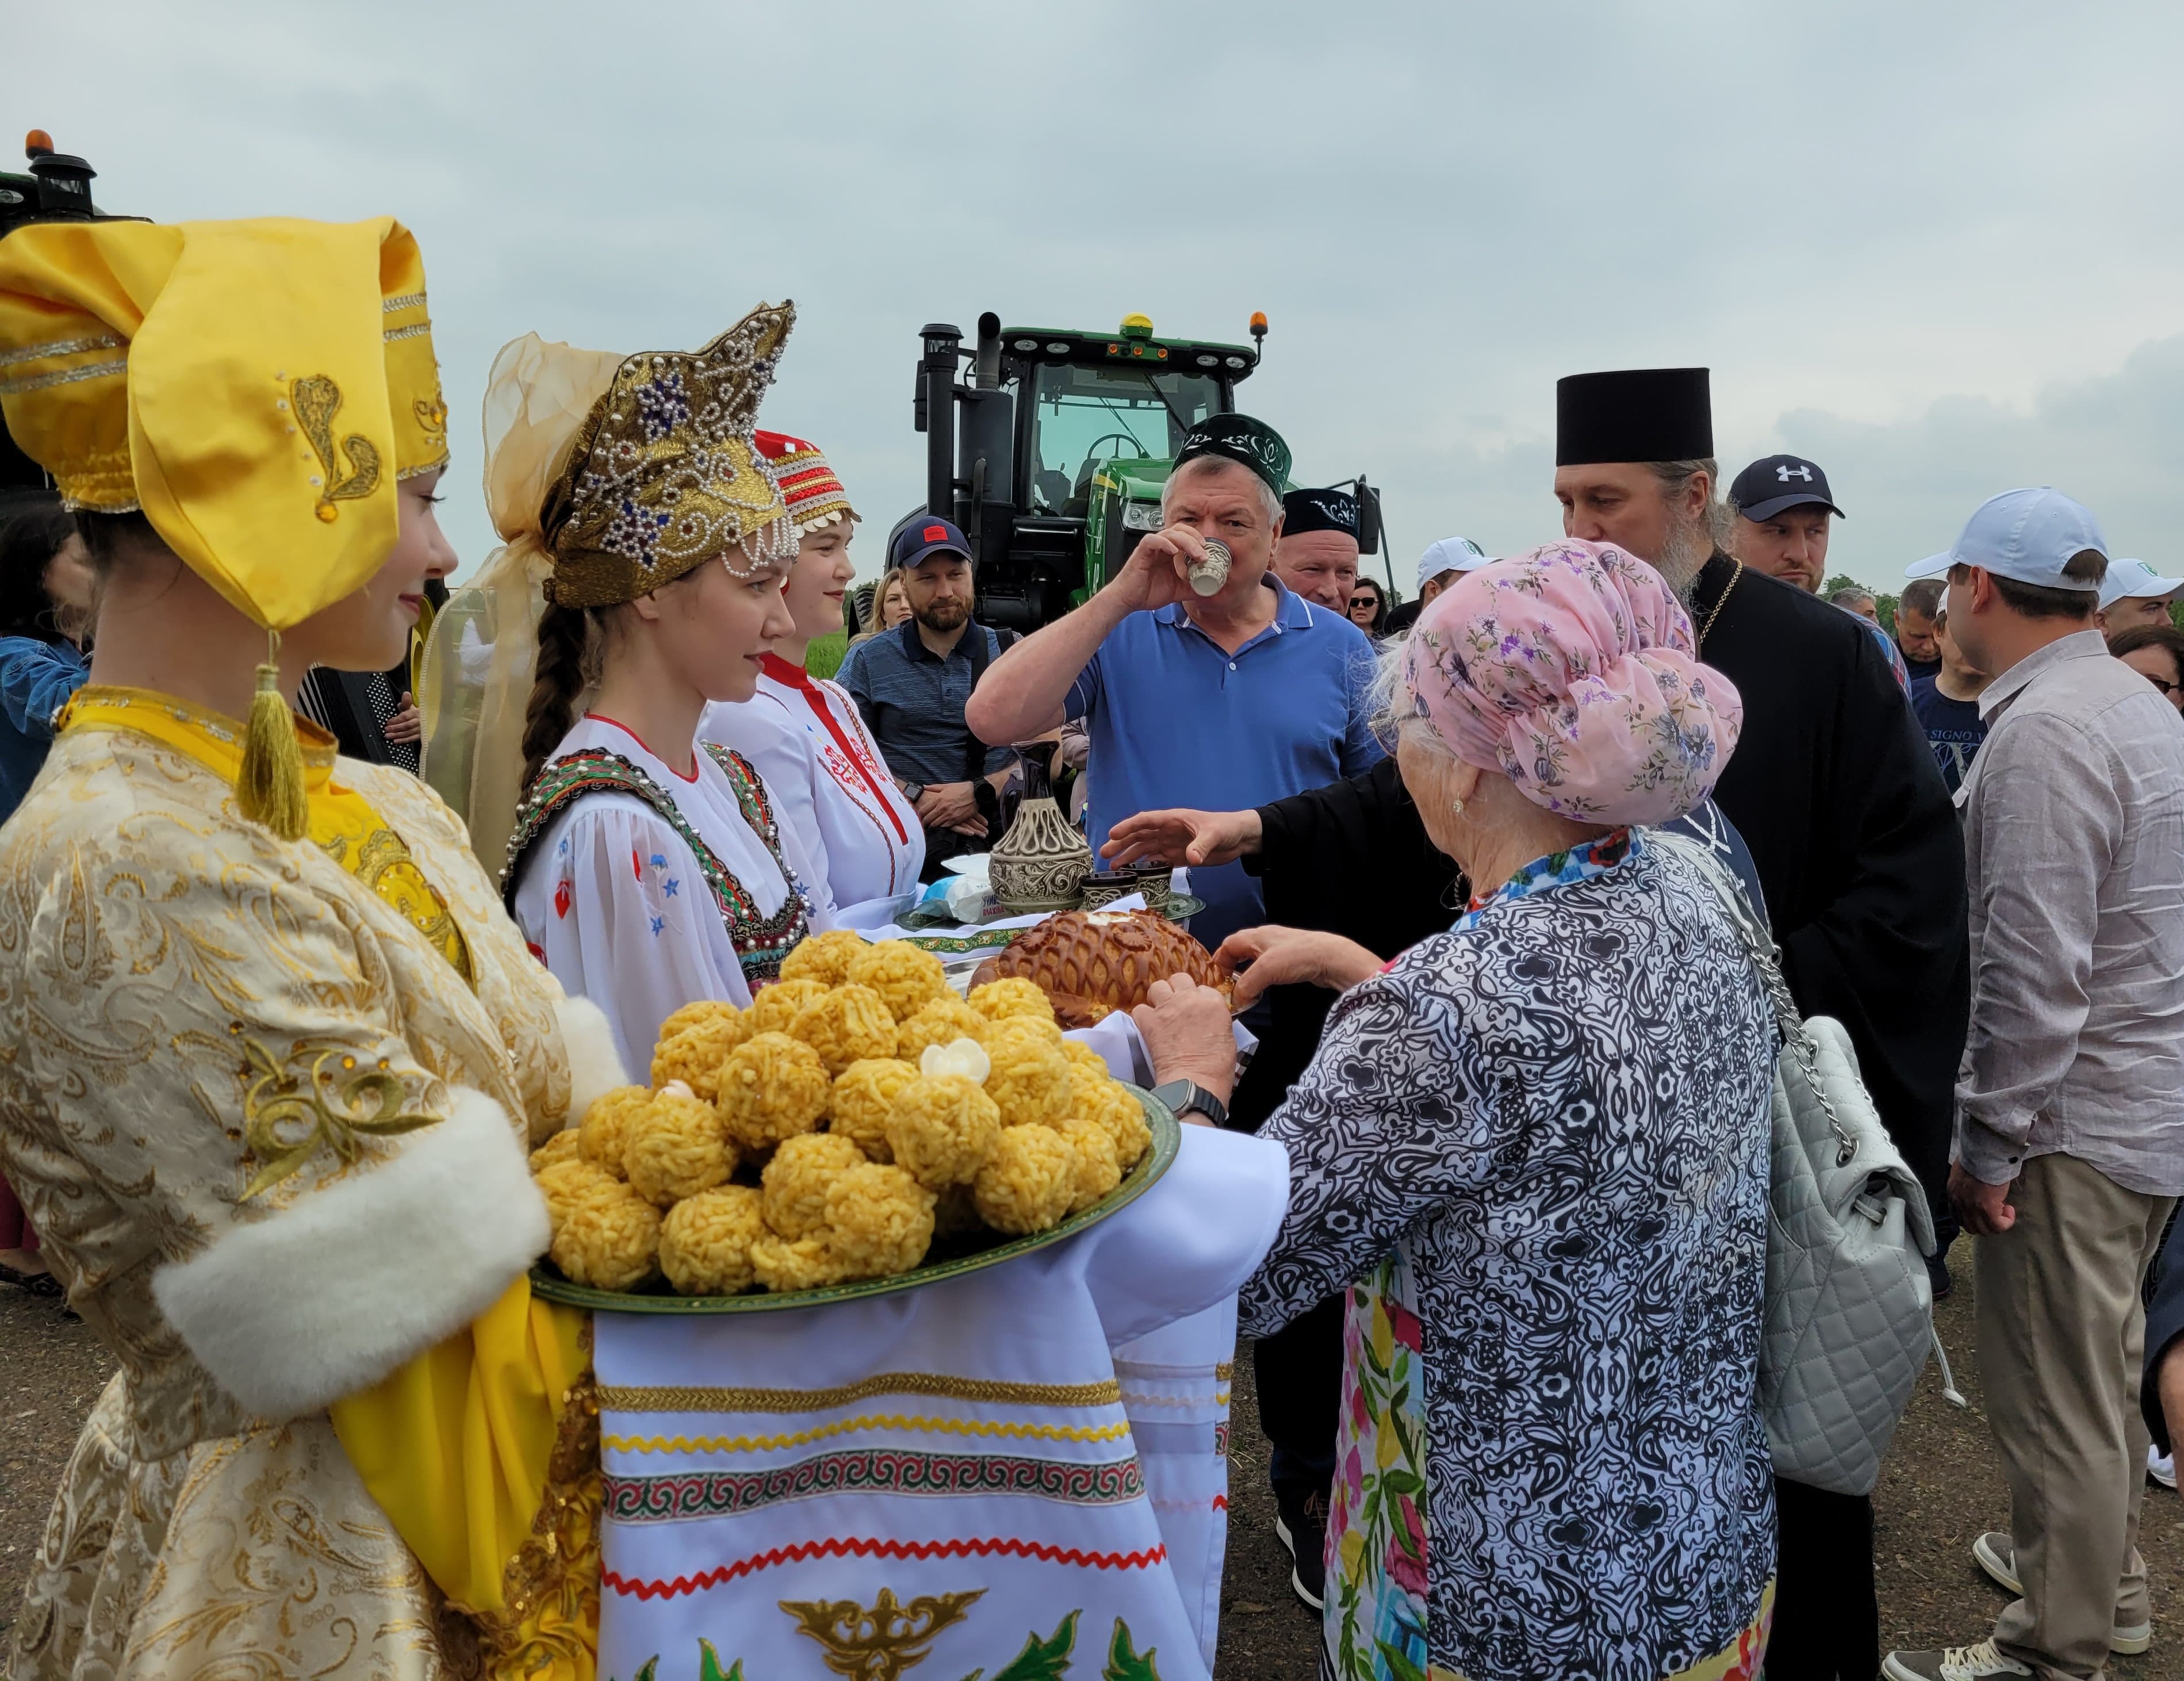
871 1471
761 941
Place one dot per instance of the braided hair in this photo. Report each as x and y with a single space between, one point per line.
564 645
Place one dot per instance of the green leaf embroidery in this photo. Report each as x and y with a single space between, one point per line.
1125 1662
1046 1660
709 1665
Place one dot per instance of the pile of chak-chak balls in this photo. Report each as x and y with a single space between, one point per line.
828 1132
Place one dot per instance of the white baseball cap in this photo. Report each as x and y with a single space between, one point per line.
1449 554
2134 580
2026 535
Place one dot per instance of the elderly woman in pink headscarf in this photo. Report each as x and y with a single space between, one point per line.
1536 1148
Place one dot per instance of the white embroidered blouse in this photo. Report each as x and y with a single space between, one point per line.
617 904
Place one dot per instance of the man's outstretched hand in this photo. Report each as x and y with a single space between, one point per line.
1182 835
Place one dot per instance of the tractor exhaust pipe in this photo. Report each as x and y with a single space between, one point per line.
937 414
986 369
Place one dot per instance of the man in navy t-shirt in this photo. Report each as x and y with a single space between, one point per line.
1948 707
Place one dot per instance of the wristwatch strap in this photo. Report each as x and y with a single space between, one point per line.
1183 1095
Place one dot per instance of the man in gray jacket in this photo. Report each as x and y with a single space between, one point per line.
2069 1141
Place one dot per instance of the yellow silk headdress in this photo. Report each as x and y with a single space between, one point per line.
415 405
230 382
606 477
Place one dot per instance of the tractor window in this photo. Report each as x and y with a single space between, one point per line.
1087 415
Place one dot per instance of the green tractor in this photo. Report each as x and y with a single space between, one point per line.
1050 451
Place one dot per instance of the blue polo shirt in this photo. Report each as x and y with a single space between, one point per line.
1174 719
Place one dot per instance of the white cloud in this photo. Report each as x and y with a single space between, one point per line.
1908 240
2111 442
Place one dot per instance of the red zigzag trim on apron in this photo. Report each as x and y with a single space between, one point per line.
857 1547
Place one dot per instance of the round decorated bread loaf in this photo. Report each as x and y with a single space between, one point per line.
1092 962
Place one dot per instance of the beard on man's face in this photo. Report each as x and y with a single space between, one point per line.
1684 551
945 613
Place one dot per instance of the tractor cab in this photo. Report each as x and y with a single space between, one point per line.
1061 443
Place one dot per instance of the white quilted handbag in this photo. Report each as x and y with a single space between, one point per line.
1849 1308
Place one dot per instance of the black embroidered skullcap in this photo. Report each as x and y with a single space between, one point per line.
1319 510
1239 437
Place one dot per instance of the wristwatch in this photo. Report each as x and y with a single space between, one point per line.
913 792
1182 1094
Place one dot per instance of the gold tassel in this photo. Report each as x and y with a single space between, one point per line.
270 787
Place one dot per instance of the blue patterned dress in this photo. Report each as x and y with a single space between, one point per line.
1540 1140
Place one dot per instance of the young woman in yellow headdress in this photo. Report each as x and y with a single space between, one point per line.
646 868
274 1053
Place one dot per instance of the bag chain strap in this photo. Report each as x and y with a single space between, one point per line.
1766 957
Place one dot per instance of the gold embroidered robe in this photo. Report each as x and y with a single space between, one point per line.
273 1141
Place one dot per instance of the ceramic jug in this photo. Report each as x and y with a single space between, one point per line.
1041 864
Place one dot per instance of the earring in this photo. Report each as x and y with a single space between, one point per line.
1456 806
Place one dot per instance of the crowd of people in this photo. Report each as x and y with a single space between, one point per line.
334 890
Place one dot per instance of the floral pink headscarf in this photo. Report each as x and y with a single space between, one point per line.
1571 671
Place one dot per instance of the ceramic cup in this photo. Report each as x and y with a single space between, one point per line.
1105 889
1207 576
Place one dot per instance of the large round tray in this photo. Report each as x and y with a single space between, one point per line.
546 1279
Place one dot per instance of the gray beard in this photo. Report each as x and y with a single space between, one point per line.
1684 554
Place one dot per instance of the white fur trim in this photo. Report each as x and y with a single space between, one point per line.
293 1311
594 1060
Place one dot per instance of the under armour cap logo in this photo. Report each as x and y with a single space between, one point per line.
1786 473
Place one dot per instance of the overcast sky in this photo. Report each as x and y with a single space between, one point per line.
1935 247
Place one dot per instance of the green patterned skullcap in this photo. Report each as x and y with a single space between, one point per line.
1239 437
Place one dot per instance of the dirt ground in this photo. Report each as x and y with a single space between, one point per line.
1941 1489
51 1371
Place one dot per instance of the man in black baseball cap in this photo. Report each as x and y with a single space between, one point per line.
1782 506
1316 555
